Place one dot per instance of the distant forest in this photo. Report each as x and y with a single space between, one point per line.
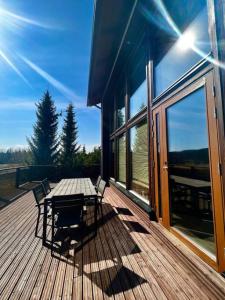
15 156
24 157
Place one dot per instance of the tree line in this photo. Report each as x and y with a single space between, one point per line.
46 146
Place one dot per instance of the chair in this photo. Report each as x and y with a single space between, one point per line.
97 183
101 191
46 186
39 195
67 211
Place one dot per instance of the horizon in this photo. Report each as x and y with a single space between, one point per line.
51 50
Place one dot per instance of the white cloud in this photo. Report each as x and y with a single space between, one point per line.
90 147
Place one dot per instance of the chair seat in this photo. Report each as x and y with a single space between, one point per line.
68 219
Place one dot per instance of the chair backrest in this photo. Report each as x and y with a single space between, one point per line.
98 181
39 193
46 186
101 187
67 203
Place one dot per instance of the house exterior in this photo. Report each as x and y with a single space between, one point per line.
157 69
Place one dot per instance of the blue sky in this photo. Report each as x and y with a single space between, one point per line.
44 44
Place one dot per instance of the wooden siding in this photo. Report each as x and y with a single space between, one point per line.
128 259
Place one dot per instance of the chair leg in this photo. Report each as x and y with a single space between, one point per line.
52 239
37 223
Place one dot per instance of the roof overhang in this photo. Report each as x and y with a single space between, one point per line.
110 20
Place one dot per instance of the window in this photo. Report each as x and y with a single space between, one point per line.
112 159
138 82
120 109
139 159
192 46
139 99
122 159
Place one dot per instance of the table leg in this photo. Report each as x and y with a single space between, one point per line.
45 222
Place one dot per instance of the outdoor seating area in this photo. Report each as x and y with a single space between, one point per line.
113 254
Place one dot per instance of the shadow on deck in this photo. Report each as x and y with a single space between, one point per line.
125 260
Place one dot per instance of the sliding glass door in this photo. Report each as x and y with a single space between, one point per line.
188 187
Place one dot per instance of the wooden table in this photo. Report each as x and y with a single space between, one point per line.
70 187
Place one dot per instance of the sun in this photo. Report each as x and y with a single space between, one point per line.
186 41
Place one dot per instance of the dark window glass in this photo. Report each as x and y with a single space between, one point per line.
189 170
137 81
121 109
139 159
189 48
122 159
112 159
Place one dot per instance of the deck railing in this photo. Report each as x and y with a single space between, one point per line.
13 180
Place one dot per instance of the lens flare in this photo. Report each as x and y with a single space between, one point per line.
67 92
10 63
13 23
184 42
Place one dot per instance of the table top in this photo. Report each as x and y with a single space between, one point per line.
195 183
73 186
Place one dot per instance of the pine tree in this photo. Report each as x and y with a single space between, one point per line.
69 138
44 142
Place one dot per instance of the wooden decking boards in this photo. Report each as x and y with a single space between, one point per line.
127 259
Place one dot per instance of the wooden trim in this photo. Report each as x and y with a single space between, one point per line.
157 165
217 200
216 177
203 255
149 75
217 31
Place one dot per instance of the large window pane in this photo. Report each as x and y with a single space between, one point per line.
139 159
137 81
139 99
122 159
189 170
189 48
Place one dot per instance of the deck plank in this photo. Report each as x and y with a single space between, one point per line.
120 262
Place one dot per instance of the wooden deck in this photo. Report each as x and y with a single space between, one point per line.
128 259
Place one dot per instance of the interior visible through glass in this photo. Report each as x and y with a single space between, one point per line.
122 159
189 171
139 159
112 148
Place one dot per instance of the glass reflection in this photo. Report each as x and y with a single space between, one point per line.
139 159
181 56
122 159
189 170
139 99
121 110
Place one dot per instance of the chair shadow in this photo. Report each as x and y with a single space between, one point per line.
123 211
122 279
70 245
135 227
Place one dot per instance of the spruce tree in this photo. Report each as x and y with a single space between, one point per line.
69 138
44 142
